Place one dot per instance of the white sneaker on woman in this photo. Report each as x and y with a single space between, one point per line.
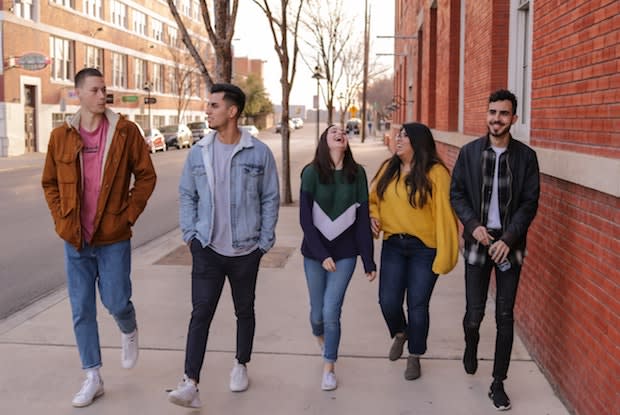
239 378
92 388
329 382
186 394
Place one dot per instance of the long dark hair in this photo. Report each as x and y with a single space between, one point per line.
425 156
324 165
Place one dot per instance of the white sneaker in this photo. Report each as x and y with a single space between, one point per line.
130 349
329 382
239 378
92 388
186 394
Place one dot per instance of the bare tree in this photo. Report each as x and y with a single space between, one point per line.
284 33
380 95
330 33
220 37
183 73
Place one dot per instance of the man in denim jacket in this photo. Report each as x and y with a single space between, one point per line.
229 201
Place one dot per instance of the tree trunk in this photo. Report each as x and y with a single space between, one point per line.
287 196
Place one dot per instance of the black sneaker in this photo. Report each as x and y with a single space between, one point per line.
501 402
470 359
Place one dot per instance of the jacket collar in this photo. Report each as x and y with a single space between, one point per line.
109 114
245 141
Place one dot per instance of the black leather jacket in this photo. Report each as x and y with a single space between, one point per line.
466 188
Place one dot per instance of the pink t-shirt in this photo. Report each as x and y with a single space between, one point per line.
92 162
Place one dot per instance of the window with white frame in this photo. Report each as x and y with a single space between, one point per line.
139 72
58 118
139 22
119 70
159 121
66 3
172 36
157 29
93 8
158 78
184 7
61 55
24 9
93 58
142 120
196 12
118 13
521 57
173 82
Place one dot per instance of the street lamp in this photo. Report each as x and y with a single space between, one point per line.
318 76
147 87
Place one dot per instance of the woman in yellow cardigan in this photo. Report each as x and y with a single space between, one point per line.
410 203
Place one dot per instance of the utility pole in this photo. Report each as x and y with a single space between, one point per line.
365 81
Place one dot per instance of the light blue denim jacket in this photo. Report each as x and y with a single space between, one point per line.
254 194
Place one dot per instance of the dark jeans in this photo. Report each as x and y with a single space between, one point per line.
406 266
476 287
209 270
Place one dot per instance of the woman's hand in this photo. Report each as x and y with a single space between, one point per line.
375 226
371 275
329 264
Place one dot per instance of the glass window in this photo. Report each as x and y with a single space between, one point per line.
158 78
94 58
119 70
61 55
139 72
172 36
118 13
66 3
58 118
173 83
157 28
93 8
24 9
139 22
196 12
158 121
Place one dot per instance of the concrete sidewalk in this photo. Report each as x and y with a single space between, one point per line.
40 369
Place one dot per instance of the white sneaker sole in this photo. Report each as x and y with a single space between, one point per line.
181 402
83 404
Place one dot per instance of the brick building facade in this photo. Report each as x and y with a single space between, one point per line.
562 60
136 44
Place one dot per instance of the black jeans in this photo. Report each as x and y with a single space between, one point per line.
476 287
209 270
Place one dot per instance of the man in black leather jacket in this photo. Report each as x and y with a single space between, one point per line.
494 192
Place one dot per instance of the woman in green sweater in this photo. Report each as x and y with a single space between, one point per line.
333 212
410 203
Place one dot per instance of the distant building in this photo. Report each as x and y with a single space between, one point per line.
135 43
561 59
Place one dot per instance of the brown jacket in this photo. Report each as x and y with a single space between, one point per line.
118 206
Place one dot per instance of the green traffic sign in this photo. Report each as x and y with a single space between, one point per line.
130 98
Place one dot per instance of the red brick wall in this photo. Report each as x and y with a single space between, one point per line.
447 83
486 58
576 76
568 308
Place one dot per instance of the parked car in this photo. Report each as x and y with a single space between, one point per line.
177 135
354 126
291 126
199 130
252 129
155 139
297 122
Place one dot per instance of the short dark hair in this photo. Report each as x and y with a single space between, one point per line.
232 94
504 95
85 73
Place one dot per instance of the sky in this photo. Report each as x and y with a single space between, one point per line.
253 38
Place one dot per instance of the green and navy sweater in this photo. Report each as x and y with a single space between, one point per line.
334 217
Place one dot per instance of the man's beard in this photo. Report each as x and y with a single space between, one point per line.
504 130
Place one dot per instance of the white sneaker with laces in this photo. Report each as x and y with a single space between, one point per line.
186 394
92 388
239 378
130 349
329 382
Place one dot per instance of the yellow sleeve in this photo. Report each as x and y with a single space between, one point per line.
445 222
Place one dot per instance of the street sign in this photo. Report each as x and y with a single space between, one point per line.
109 99
33 61
129 98
150 100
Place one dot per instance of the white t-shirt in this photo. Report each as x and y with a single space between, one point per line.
494 220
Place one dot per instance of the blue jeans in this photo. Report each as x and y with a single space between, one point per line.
406 267
107 267
327 290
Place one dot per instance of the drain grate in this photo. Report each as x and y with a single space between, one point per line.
275 258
